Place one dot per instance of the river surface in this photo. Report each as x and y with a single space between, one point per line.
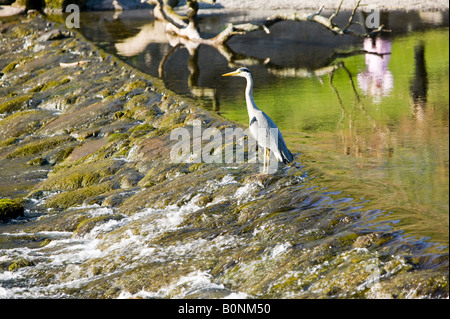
371 126
361 213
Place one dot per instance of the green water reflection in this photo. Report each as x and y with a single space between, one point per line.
374 128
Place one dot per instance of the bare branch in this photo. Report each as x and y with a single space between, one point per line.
164 12
177 25
316 17
337 11
350 21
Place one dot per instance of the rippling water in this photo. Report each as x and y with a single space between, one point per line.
300 251
377 127
363 215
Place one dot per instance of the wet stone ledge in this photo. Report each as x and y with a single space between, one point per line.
84 146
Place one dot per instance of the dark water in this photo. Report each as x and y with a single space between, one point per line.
376 127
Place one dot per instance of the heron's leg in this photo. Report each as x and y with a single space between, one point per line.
264 160
268 160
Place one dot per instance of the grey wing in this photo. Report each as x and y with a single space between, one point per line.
286 155
267 134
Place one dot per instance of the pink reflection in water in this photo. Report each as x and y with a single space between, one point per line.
377 81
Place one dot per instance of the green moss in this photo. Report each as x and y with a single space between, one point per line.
54 4
196 166
289 283
45 242
87 225
7 142
22 122
118 115
49 85
10 209
21 32
142 113
117 136
37 161
13 118
19 263
11 66
15 103
61 4
141 130
105 92
348 240
78 196
137 100
38 146
118 96
139 84
64 178
61 154
172 120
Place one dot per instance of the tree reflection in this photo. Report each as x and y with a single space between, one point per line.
419 83
361 134
359 140
183 32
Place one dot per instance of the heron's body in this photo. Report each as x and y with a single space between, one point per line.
261 124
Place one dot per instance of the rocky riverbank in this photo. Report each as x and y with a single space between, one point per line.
85 148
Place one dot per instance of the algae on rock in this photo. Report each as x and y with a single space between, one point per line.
10 209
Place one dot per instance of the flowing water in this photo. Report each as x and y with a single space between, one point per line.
375 126
363 214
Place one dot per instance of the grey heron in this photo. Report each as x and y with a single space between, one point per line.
262 127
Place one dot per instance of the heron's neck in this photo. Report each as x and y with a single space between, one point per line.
251 106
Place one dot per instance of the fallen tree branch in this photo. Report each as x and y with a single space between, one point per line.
315 17
186 27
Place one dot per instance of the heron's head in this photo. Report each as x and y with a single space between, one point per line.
242 72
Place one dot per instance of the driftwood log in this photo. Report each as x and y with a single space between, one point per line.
186 26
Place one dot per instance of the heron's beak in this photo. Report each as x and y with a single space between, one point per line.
234 73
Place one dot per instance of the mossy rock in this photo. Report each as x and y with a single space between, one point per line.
87 225
11 66
172 120
79 176
20 263
138 84
78 196
10 209
142 113
49 85
160 173
117 136
15 103
37 161
141 130
138 100
38 146
7 142
22 122
59 154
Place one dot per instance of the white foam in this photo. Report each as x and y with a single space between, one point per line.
245 193
132 236
237 295
280 249
194 282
